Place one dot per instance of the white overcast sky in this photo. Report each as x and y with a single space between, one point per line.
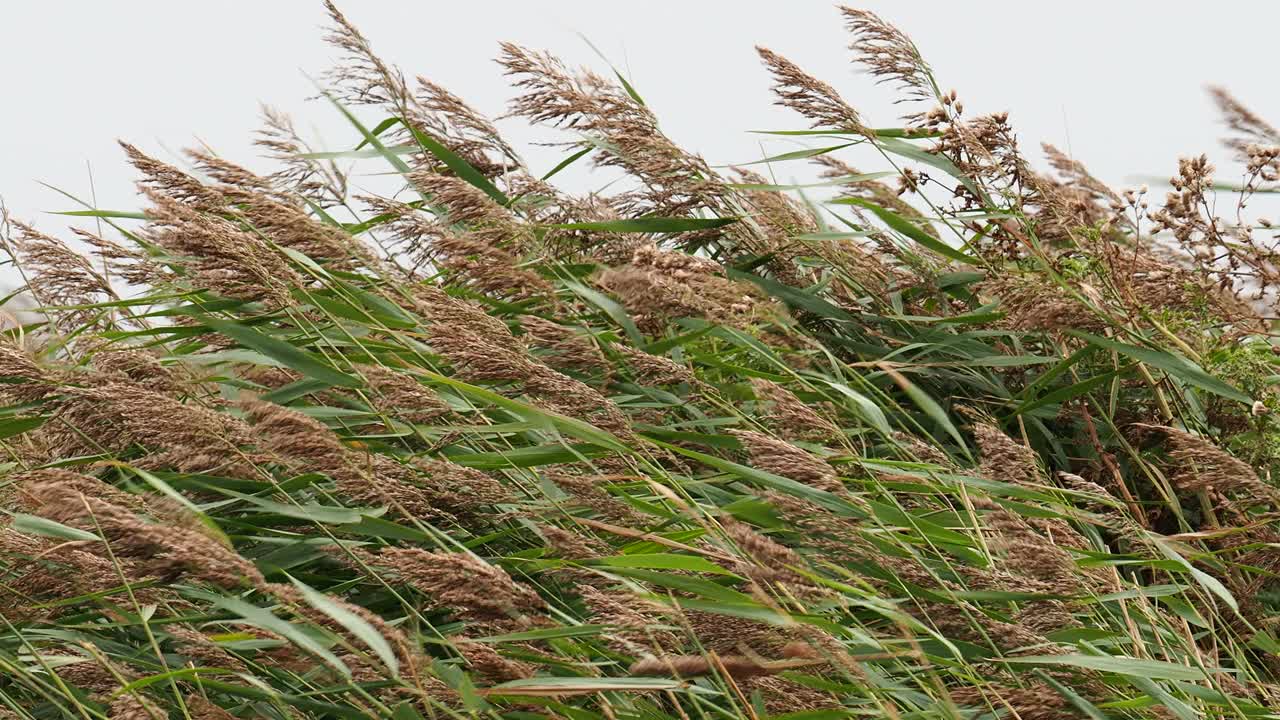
1120 85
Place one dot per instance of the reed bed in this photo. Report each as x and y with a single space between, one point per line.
969 435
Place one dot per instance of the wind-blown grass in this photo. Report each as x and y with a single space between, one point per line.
966 440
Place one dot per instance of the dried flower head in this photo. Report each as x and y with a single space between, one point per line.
485 662
26 381
58 276
133 706
464 130
1198 465
567 349
764 559
1029 302
788 415
1035 702
425 489
655 369
320 181
475 589
137 366
782 458
164 180
659 285
587 491
675 181
809 96
202 708
1005 460
402 647
218 254
572 546
278 217
117 416
681 666
166 550
1035 555
363 78
887 53
476 239
402 396
637 626
1250 128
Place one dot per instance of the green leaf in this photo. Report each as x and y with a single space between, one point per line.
18 425
802 154
930 407
405 711
833 235
1089 709
834 182
1207 581
376 527
385 125
582 685
359 154
913 231
567 162
904 149
863 406
616 312
288 393
265 619
348 311
165 489
1007 361
530 456
36 525
179 674
662 561
459 166
117 214
369 137
832 714
1177 366
567 425
748 611
696 586
647 225
354 624
282 352
762 478
300 702
545 634
1118 664
795 297
327 514
1065 393
626 85
1180 710
893 515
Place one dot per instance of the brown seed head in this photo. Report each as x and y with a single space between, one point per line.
809 96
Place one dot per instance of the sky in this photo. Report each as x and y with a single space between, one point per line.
1118 85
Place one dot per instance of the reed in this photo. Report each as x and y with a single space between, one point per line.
971 435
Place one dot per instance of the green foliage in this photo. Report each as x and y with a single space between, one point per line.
694 447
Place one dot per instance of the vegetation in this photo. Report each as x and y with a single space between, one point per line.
966 440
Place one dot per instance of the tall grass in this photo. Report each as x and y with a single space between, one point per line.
965 440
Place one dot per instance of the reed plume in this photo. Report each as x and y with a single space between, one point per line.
467 439
809 96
